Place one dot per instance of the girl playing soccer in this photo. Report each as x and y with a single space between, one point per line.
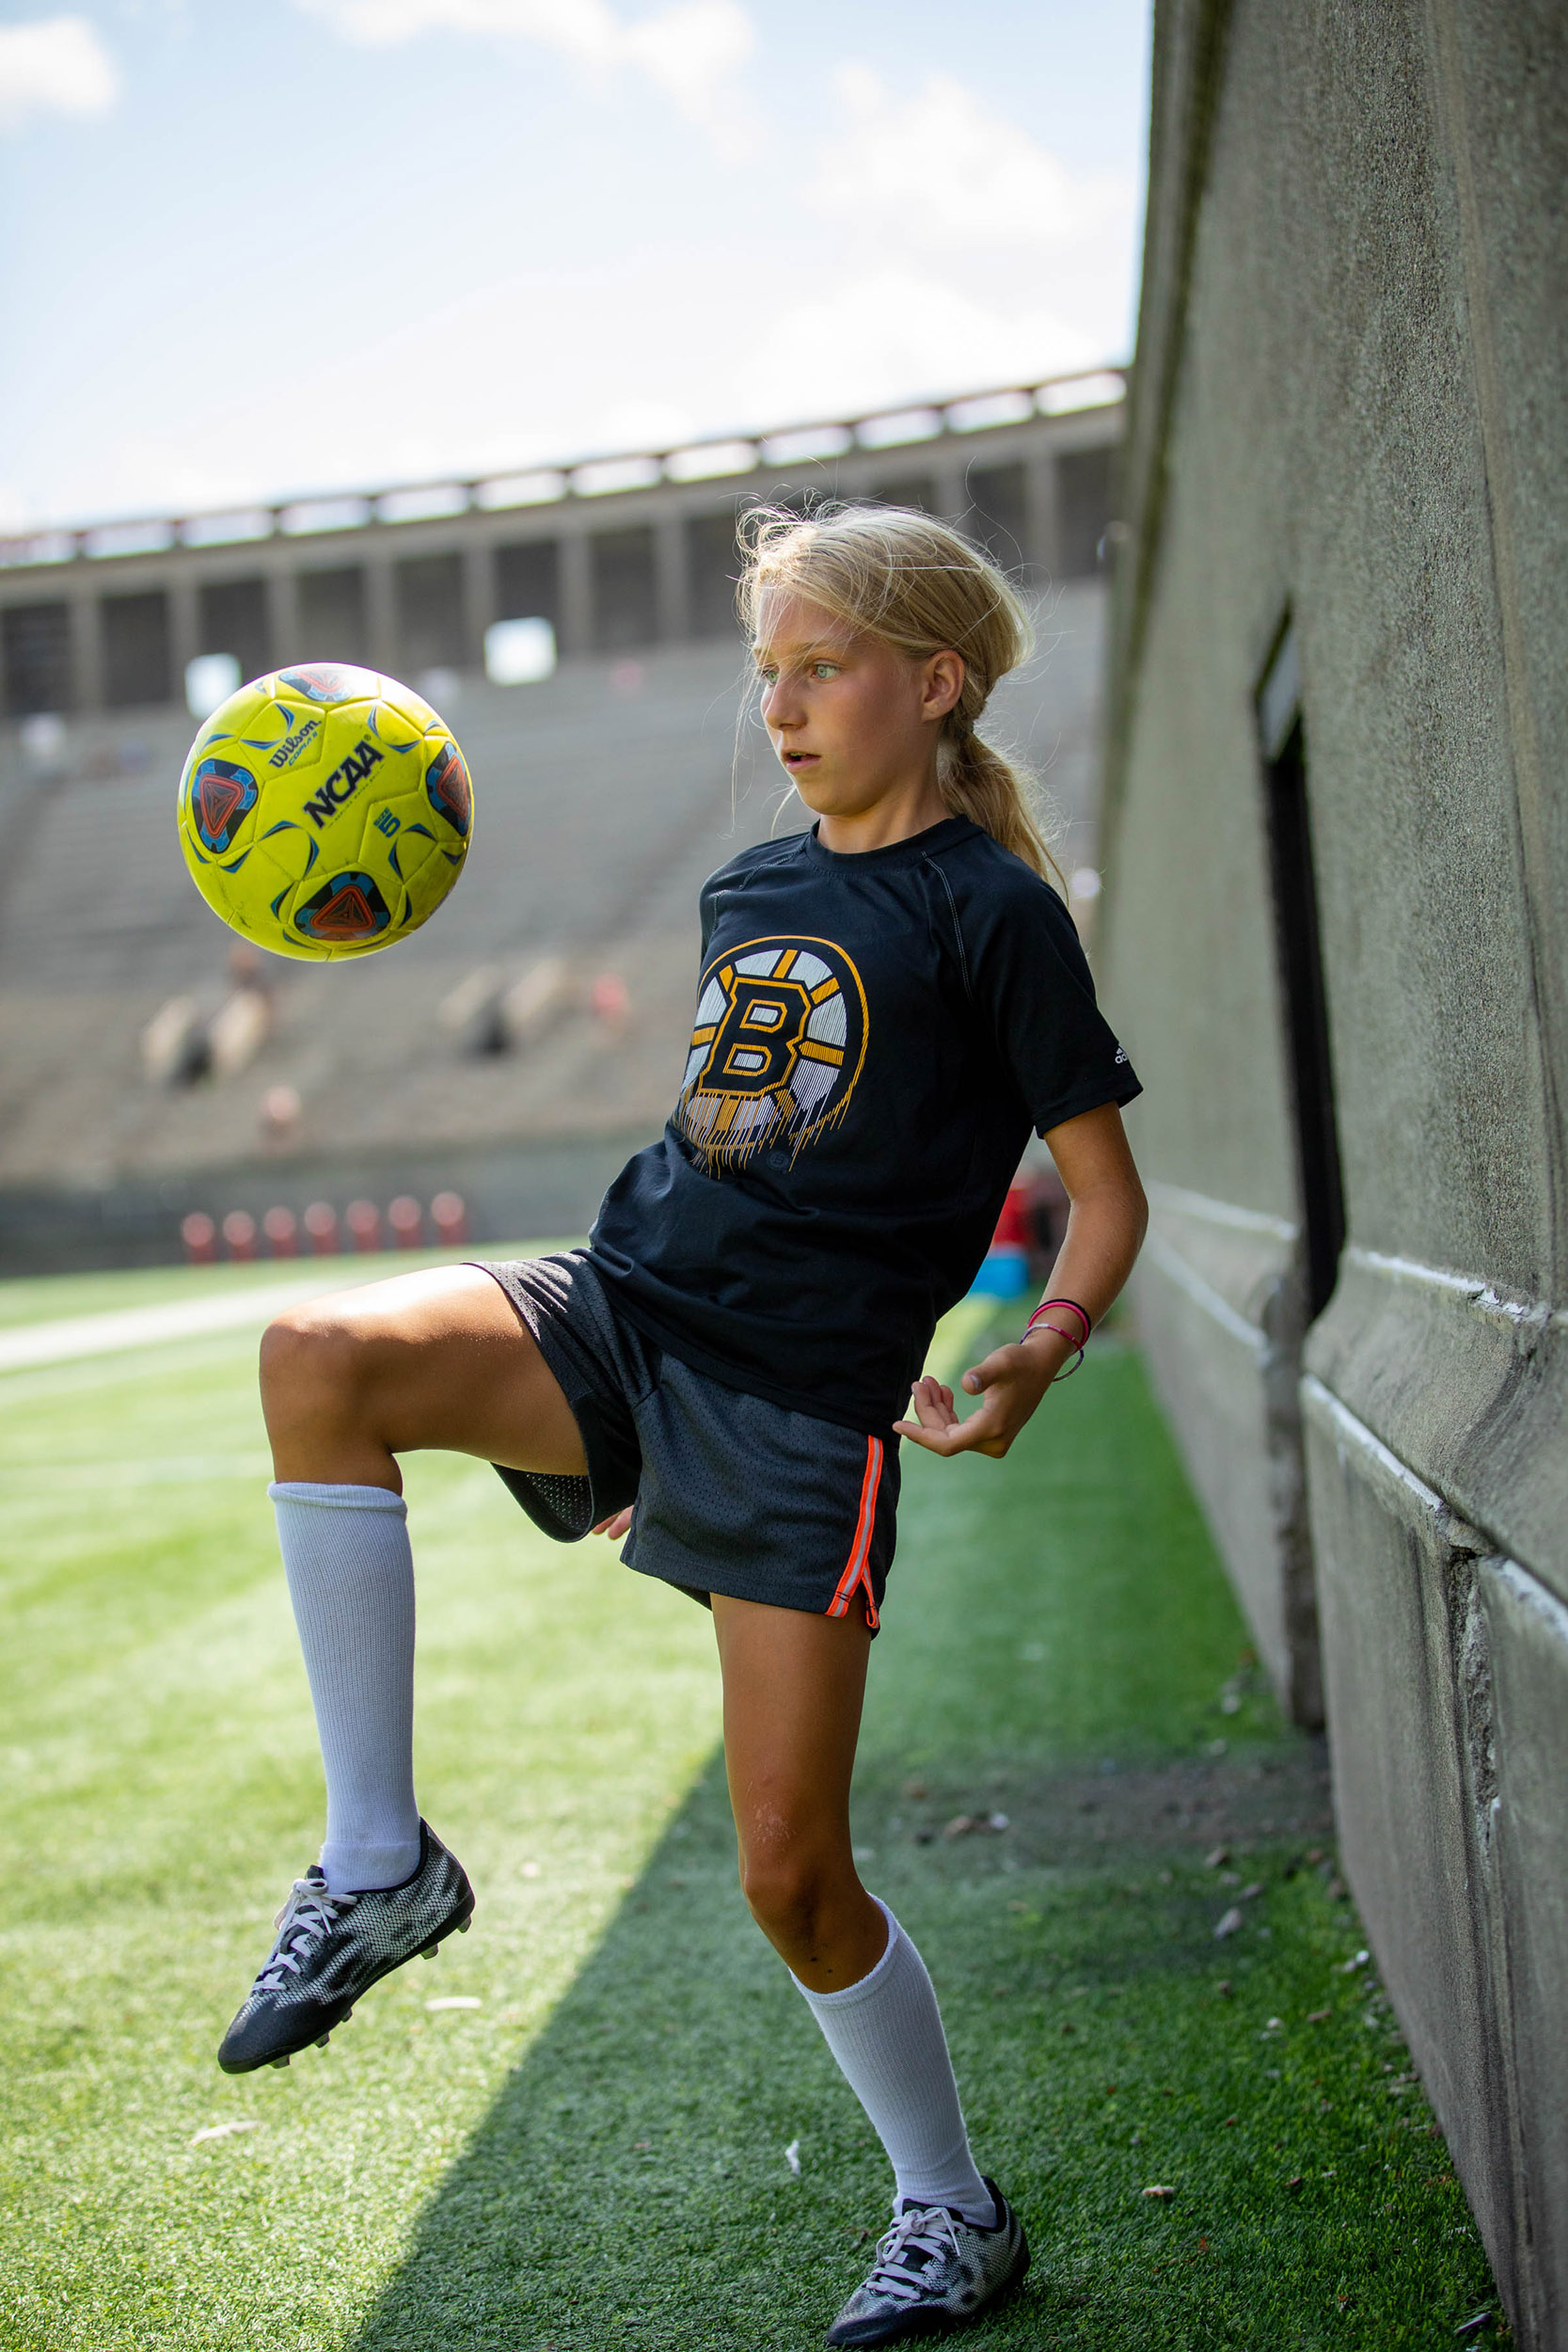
887 1003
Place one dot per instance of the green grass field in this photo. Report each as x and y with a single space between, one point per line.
593 2153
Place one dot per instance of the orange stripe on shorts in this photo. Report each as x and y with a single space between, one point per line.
857 1571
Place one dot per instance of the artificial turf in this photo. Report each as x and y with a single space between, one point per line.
599 2151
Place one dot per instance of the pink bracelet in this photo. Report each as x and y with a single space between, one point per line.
1061 1335
1046 1304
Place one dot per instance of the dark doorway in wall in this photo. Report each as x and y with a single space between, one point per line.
37 658
332 613
910 489
712 569
1283 739
136 654
626 609
998 513
1083 510
528 583
233 619
429 598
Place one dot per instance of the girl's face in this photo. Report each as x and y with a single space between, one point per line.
851 721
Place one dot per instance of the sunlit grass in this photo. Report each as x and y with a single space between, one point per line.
595 2154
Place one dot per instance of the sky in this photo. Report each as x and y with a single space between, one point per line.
260 247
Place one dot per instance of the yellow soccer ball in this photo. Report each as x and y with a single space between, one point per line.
325 811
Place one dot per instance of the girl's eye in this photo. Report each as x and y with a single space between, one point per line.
824 669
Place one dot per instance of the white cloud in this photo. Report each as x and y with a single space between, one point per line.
879 338
56 65
922 245
940 173
689 51
964 254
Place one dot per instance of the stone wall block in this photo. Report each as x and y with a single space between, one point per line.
1210 1383
1220 1302
1408 1655
1528 1640
1471 1382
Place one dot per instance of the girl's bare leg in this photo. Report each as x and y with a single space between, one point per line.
793 1689
441 1358
348 1383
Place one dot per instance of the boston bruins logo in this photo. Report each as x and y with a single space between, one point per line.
777 1048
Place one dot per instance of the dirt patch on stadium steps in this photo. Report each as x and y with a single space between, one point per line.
1015 1816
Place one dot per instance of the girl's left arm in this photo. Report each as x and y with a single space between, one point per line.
1105 1232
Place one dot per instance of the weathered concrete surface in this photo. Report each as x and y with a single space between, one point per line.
1527 1638
1217 1295
1351 410
1412 1742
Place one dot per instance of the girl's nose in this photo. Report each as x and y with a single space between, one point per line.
780 704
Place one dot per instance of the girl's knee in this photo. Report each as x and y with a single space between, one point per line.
786 1890
313 1360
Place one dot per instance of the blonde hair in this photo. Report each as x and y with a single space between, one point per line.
921 588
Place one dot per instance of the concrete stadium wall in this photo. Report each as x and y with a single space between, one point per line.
1350 420
544 1188
618 555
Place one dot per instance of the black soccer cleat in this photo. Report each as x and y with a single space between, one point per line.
934 2271
331 1948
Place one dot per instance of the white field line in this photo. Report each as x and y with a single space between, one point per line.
72 1336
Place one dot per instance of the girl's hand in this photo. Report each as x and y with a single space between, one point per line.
615 1526
1011 1382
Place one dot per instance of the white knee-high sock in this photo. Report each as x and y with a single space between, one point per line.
886 2034
351 1578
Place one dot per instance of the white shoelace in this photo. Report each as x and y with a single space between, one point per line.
306 1915
922 2230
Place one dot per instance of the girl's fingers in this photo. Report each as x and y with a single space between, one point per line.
934 1440
961 1436
933 1404
615 1525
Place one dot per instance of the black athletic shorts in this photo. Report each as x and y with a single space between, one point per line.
730 1493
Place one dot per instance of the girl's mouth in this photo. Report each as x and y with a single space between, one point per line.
798 759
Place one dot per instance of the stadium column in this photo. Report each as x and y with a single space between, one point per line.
479 602
1045 529
381 624
283 637
576 596
87 653
952 493
183 631
672 595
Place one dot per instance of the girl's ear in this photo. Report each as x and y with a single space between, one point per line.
944 683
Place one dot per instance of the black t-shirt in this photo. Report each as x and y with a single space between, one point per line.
875 1035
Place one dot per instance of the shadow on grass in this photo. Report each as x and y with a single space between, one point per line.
633 2182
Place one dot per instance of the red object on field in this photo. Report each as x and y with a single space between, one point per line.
608 1000
450 1216
406 1220
1015 1225
320 1223
239 1231
200 1237
281 1227
363 1219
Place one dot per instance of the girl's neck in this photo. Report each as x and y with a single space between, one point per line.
899 816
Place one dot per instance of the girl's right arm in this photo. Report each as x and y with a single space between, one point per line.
1105 1232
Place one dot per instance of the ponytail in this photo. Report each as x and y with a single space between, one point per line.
922 588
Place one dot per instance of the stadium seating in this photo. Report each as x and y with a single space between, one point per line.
603 796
